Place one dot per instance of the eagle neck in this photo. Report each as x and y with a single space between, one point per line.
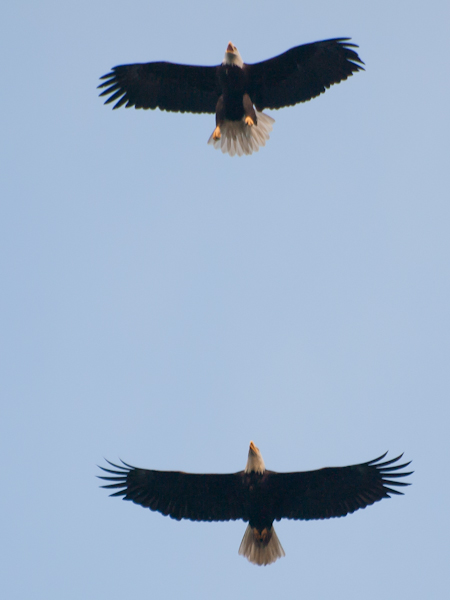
255 463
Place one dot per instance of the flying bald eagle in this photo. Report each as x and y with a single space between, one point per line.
233 89
258 496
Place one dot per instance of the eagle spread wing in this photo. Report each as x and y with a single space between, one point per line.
301 73
198 497
164 85
335 491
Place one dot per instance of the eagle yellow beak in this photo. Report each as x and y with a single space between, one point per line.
230 48
253 448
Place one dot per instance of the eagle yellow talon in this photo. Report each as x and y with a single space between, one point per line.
217 135
249 121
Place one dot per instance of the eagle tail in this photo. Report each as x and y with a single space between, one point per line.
261 547
238 138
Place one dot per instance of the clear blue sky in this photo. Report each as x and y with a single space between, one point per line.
165 304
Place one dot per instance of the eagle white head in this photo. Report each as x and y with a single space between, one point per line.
232 56
255 463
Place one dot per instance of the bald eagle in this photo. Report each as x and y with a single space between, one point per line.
258 496
233 89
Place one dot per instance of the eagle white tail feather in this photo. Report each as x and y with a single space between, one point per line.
238 138
259 552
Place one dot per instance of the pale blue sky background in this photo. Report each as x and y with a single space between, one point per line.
166 304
